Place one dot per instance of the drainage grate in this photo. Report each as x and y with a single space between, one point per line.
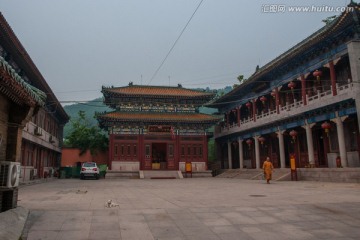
256 195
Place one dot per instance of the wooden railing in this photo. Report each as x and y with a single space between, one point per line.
320 96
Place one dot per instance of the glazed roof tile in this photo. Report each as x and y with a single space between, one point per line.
157 91
38 95
19 54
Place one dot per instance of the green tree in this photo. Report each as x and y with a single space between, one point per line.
241 79
85 136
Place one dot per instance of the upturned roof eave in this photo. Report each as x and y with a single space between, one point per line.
24 58
36 94
307 42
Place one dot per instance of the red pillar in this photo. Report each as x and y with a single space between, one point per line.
238 115
205 151
254 110
177 151
303 89
111 146
333 77
277 100
141 151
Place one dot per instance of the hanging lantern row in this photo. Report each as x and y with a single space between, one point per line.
261 140
248 104
249 142
273 94
317 74
326 126
291 85
263 100
293 134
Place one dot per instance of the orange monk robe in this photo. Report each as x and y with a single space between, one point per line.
268 167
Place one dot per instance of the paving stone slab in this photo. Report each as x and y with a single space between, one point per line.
211 208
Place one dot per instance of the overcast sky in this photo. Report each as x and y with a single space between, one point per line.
80 45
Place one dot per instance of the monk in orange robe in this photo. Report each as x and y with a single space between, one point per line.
268 169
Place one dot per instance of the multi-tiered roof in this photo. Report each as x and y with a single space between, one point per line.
139 105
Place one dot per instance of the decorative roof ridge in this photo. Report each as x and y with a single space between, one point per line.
299 45
156 86
38 95
330 26
24 54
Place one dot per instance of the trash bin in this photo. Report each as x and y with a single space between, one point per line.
102 168
62 174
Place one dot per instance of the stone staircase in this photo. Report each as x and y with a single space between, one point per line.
255 174
153 174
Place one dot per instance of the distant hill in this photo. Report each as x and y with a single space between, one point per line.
97 105
89 108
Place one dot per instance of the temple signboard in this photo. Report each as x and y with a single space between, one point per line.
159 128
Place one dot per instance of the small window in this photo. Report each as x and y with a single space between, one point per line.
122 150
128 150
182 150
200 150
135 152
189 150
194 150
116 150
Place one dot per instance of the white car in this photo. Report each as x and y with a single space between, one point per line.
89 169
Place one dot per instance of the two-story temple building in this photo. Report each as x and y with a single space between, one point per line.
31 119
41 136
155 127
305 103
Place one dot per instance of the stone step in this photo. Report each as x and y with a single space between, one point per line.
256 174
111 174
161 174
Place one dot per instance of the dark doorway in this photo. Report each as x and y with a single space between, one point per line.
235 155
289 148
159 155
321 153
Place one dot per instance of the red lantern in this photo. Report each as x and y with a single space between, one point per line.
291 85
249 142
326 126
261 140
317 74
248 104
293 134
273 94
263 99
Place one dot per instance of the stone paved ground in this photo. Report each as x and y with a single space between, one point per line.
210 208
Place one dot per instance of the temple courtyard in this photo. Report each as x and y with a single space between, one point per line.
191 208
